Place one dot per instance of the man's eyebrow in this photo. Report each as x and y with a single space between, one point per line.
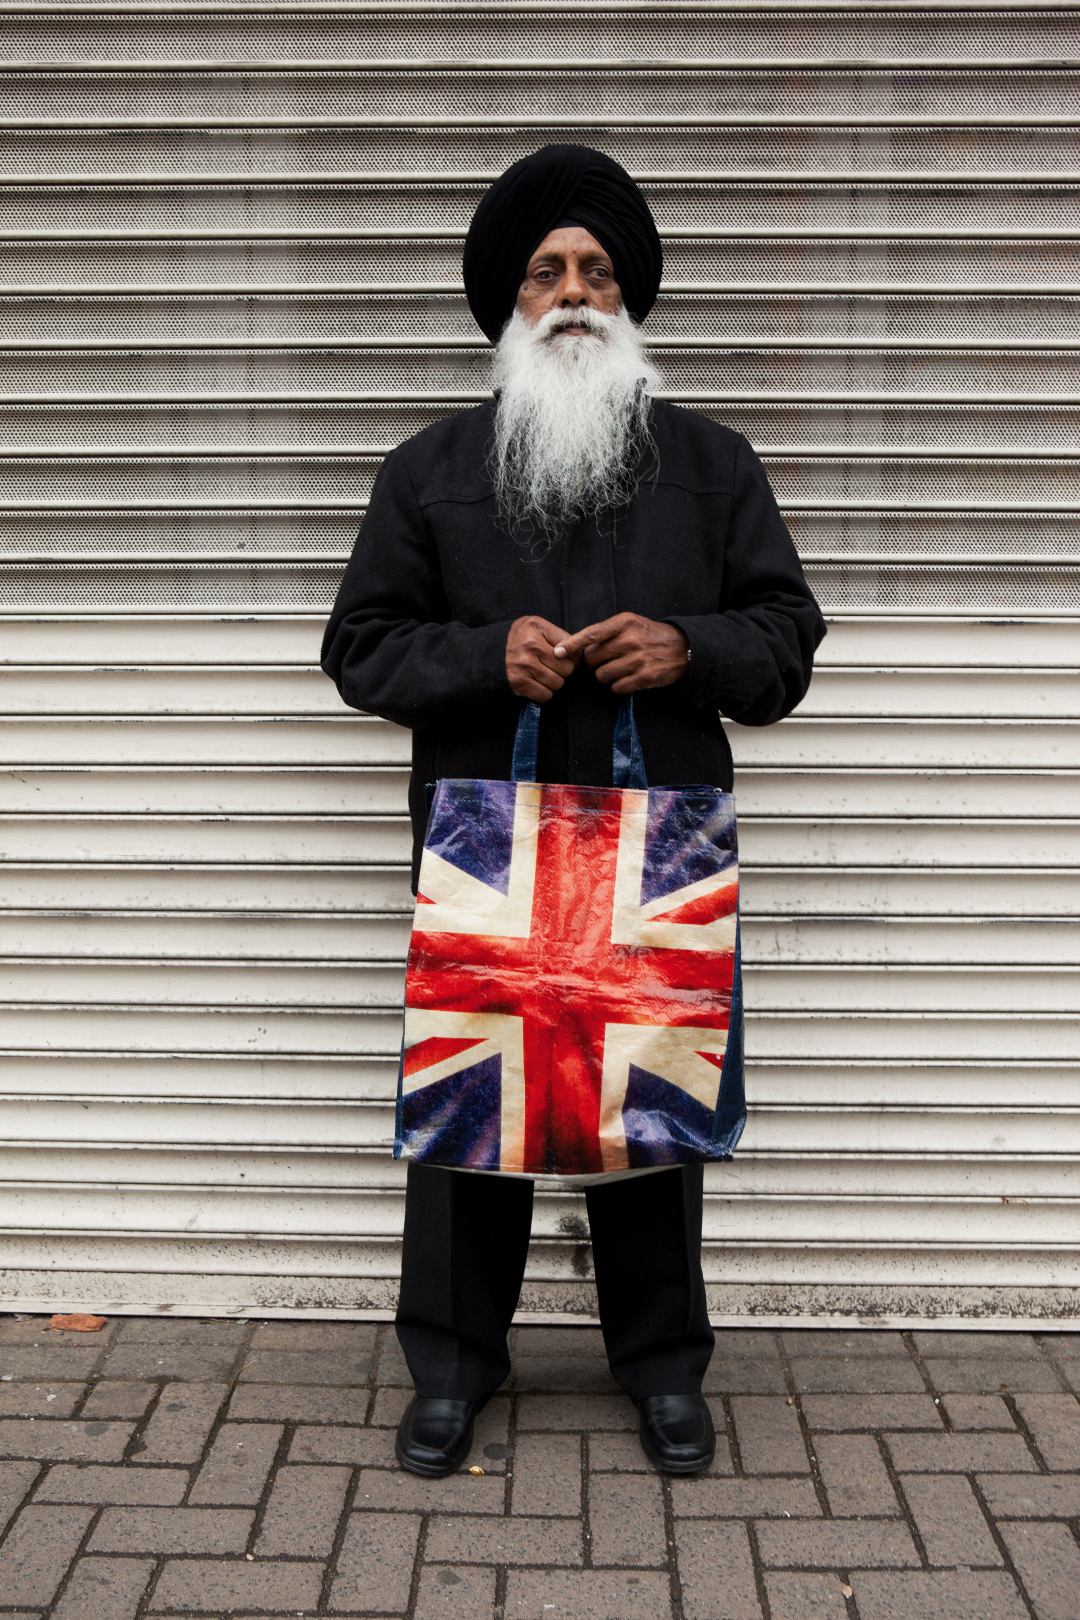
590 256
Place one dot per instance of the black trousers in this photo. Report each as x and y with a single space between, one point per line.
466 1243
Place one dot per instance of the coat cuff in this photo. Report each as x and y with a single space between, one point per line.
487 644
703 675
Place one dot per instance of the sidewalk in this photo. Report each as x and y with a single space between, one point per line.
177 1466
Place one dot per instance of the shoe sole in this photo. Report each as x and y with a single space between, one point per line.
665 1467
429 1470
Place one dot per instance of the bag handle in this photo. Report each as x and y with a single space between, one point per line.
627 762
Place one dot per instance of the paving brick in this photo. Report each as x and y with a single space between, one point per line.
856 1375
408 1493
835 1544
504 1541
960 1453
806 1597
16 1479
1070 1371
190 1363
388 1408
181 1330
979 1412
358 1448
558 1341
107 1588
73 1361
989 1377
273 1403
956 1595
40 1400
587 1594
855 1477
842 1342
744 1375
770 1440
64 1441
845 1413
1047 1559
1060 1346
746 1342
584 1375
547 1474
86 1483
1025 1496
375 1565
491 1436
37 1551
950 1520
301 1517
239 1461
626 1517
327 1367
172 1530
457 1594
109 1400
617 1453
744 1498
212 1586
349 1337
1016 1346
1054 1421
591 1412
180 1423
716 1572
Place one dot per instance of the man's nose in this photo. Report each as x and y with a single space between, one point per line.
574 290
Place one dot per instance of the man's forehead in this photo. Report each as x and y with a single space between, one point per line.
567 241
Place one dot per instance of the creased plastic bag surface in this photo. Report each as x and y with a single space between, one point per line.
573 997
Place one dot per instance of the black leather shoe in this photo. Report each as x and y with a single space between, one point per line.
435 1436
677 1433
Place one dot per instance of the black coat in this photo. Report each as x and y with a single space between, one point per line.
418 632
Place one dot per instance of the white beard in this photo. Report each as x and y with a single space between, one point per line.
572 416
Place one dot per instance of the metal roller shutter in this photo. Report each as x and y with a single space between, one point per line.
229 281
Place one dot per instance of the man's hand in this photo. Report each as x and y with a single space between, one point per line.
532 667
631 654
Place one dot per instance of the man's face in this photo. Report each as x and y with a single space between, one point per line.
568 271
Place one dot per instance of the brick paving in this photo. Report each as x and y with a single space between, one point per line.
179 1467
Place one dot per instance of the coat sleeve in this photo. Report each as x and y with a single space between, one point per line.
391 646
754 657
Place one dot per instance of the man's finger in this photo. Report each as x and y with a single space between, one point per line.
591 636
604 651
549 658
533 690
550 632
618 669
546 641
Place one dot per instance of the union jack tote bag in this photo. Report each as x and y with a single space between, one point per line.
573 999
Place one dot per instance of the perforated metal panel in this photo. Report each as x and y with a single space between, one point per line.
229 280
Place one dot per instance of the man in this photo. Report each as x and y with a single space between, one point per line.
574 541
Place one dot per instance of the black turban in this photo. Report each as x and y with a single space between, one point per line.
556 187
